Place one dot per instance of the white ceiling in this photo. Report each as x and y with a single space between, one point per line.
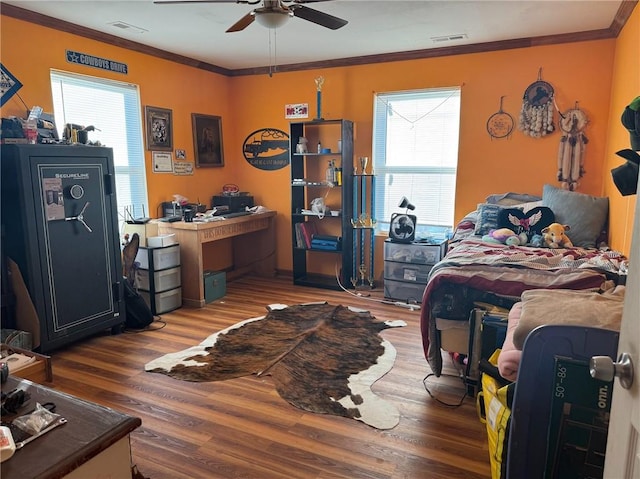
197 31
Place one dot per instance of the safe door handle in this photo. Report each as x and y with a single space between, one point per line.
604 369
80 217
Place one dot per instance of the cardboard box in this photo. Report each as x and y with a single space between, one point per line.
578 429
454 335
144 231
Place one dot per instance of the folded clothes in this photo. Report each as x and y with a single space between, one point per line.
561 306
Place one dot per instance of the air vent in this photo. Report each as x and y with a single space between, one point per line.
126 26
449 38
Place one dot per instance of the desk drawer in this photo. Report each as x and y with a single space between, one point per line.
159 258
404 291
422 253
417 273
162 280
163 302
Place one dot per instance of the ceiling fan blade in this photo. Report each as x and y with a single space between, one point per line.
243 23
173 2
315 16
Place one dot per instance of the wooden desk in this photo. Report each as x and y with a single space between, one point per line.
253 248
93 443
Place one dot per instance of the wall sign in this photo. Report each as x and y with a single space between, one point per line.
267 149
162 162
9 84
96 62
296 110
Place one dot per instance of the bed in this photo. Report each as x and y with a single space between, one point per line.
476 271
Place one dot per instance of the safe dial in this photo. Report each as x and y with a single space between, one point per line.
76 192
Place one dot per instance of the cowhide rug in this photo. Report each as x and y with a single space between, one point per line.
322 358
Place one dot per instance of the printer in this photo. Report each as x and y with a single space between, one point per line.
232 203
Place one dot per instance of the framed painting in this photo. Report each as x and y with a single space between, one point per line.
159 128
207 140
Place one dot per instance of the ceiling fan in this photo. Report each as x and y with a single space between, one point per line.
274 13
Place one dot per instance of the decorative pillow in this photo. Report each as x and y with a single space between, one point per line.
532 222
487 218
585 214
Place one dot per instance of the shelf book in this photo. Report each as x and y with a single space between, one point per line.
304 234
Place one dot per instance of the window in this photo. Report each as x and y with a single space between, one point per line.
415 154
113 108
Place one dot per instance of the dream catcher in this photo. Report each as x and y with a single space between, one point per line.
536 116
572 146
500 124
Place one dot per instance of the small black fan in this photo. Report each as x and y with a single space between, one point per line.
402 228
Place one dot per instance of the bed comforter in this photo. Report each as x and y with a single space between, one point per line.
474 271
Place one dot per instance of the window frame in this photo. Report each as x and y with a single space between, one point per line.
387 203
129 157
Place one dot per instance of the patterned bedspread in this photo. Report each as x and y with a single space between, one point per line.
474 270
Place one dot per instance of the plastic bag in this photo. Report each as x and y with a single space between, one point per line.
35 421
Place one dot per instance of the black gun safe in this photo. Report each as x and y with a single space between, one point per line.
60 226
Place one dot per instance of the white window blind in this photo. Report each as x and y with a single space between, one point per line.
415 154
113 108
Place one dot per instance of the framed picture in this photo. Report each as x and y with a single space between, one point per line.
159 128
207 140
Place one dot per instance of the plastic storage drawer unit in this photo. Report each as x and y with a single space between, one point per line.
159 280
415 253
404 291
159 258
406 271
407 267
163 302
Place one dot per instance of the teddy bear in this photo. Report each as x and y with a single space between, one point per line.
506 236
554 236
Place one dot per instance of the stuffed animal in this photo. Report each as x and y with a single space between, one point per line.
506 236
537 241
555 237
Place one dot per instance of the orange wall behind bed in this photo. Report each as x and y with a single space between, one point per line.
580 72
625 87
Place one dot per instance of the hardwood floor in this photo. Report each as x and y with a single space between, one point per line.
241 428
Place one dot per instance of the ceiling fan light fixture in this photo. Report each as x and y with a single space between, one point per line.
272 19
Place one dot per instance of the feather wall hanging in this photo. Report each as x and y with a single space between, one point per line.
536 115
572 147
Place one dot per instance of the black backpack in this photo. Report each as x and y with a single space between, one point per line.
138 313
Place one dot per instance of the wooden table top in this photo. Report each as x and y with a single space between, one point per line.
90 429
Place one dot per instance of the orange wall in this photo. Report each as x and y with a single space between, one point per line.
579 72
164 84
626 86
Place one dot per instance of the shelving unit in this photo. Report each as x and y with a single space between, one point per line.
314 267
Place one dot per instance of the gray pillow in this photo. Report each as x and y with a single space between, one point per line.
511 198
585 214
488 218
